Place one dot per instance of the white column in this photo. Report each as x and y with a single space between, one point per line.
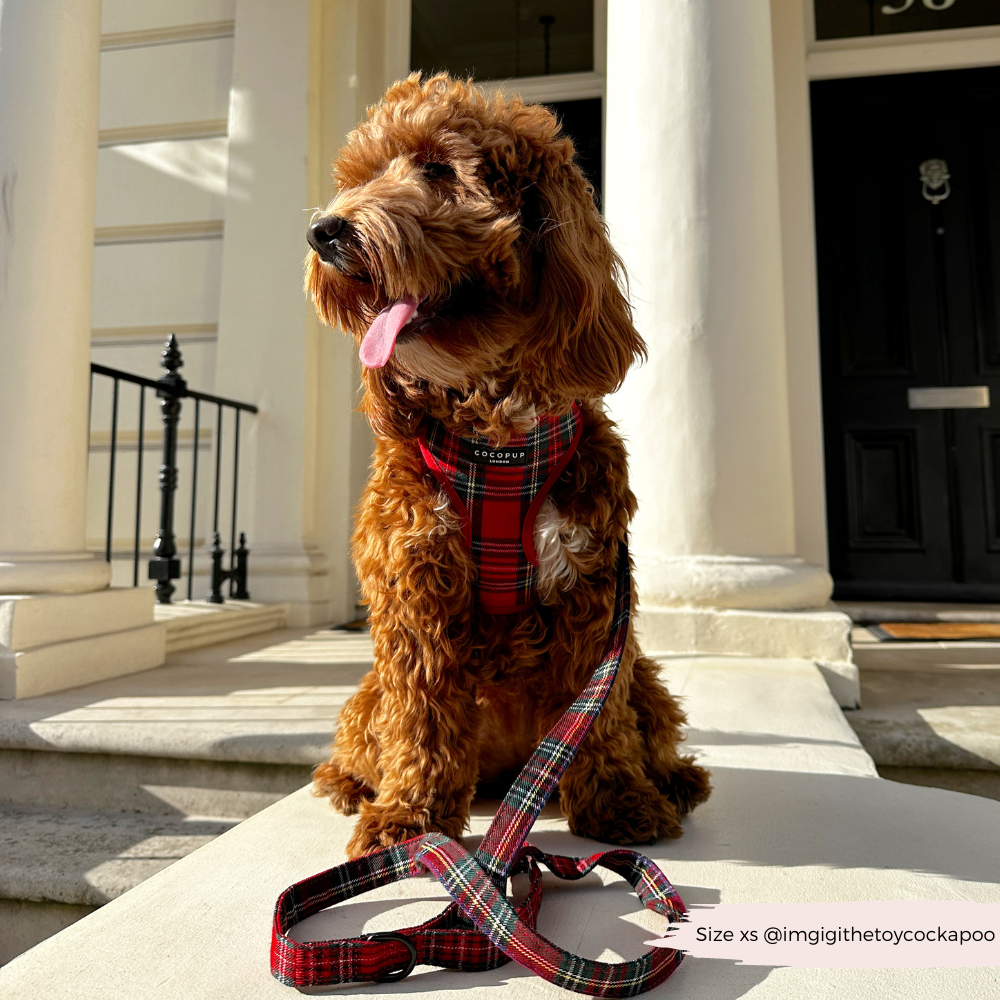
300 82
262 348
60 626
49 90
693 204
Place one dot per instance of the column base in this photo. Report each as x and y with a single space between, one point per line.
55 641
822 636
784 583
53 572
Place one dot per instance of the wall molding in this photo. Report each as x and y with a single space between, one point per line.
159 232
209 129
172 35
123 336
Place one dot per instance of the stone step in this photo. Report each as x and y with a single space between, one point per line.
87 857
57 865
956 737
54 642
918 611
194 624
154 786
904 725
270 699
986 784
105 784
872 655
930 706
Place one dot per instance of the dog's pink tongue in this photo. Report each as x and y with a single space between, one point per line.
376 348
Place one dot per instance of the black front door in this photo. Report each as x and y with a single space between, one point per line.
907 173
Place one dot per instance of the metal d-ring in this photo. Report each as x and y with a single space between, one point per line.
411 964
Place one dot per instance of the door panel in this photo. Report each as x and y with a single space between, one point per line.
908 299
882 498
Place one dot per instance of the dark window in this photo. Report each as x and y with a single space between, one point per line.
499 39
850 18
582 123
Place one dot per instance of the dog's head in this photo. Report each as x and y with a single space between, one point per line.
465 255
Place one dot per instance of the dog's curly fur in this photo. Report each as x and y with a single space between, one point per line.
478 204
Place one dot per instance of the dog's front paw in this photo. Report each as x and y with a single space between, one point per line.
627 816
686 786
385 825
343 790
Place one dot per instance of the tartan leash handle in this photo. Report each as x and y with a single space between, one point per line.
482 929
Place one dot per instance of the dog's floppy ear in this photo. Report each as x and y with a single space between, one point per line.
584 318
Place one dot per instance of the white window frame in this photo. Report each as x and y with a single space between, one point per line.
908 52
538 89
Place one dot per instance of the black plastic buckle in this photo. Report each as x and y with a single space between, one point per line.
411 964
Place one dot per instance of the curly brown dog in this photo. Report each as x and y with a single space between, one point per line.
465 255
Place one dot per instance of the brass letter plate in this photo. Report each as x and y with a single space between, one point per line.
950 397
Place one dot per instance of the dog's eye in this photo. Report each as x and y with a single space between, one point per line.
437 171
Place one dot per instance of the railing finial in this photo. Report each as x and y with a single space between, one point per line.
171 360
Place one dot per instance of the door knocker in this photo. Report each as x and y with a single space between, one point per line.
934 176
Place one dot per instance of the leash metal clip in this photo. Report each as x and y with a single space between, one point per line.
411 962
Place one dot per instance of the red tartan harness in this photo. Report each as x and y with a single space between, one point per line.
482 929
498 492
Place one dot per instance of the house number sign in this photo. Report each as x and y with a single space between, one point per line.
929 4
855 18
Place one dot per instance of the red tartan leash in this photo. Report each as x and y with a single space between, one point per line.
482 929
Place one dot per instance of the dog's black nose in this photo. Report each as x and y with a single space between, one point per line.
323 232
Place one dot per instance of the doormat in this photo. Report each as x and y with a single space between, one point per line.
358 625
929 631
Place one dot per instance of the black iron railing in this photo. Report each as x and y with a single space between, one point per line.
165 565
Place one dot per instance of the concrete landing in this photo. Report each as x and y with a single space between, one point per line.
797 814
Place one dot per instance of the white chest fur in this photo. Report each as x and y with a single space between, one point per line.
558 542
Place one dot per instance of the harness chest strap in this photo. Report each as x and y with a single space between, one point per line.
500 931
497 493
